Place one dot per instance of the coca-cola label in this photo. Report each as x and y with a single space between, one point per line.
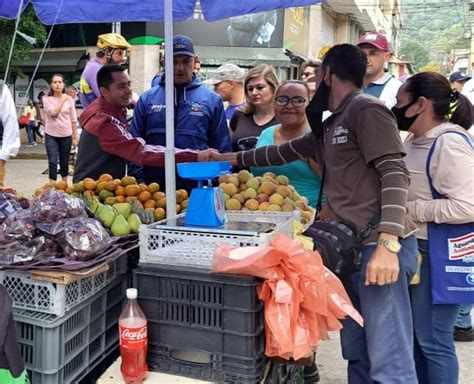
133 338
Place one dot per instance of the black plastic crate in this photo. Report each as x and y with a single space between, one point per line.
190 310
206 366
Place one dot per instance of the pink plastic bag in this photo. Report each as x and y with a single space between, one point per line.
303 299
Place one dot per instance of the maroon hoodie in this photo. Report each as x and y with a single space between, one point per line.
106 145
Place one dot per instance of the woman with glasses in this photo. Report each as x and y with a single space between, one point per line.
291 100
257 114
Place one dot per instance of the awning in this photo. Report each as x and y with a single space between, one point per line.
243 56
65 60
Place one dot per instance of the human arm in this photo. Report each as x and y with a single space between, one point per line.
49 106
380 144
73 114
451 169
11 131
116 140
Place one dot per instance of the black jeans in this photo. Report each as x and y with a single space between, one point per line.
58 149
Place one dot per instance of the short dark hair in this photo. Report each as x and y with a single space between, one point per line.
104 76
436 87
297 82
348 62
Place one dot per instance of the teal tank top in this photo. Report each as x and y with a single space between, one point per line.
299 172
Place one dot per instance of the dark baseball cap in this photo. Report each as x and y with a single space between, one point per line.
183 45
458 76
375 39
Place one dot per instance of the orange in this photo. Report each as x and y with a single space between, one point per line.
109 201
159 214
38 191
105 177
120 199
144 196
161 203
143 187
178 208
119 191
132 190
158 195
101 185
149 203
110 186
128 180
90 184
69 190
153 187
183 193
87 193
61 185
129 199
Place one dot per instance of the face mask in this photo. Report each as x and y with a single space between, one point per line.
316 107
404 123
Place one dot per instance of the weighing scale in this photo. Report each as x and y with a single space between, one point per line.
206 204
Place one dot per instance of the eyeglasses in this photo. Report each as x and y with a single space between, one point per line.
296 101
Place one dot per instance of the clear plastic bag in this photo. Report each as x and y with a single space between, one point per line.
82 238
53 206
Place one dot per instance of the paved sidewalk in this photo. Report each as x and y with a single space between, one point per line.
36 152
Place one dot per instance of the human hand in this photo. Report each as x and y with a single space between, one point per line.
75 142
383 267
207 154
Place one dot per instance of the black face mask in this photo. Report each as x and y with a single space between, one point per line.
314 111
404 123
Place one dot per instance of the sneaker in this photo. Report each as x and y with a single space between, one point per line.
30 145
463 334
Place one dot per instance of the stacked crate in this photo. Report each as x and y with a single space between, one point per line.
65 331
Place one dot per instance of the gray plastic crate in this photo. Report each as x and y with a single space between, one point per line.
202 325
53 298
57 350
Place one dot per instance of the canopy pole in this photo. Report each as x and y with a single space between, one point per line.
170 168
10 54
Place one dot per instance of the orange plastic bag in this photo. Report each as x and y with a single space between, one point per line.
303 299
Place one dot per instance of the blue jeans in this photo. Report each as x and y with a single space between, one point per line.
58 149
30 132
381 351
464 316
435 355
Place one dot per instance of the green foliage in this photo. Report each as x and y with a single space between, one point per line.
432 29
432 66
29 25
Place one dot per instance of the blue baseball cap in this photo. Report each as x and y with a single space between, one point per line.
183 45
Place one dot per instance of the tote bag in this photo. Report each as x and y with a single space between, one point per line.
451 253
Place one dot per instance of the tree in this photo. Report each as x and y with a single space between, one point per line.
417 54
29 25
435 28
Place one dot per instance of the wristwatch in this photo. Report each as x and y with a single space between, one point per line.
392 245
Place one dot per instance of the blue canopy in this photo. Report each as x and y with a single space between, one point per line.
102 11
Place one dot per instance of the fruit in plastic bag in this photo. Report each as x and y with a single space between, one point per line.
83 238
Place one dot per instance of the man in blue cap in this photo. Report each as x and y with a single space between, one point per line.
199 114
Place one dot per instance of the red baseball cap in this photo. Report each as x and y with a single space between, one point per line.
376 39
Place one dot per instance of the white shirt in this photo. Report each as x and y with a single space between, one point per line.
468 90
11 132
389 92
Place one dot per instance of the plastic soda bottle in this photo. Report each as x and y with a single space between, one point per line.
133 340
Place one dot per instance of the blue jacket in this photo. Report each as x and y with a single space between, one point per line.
200 123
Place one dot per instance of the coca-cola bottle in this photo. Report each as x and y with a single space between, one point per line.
133 340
